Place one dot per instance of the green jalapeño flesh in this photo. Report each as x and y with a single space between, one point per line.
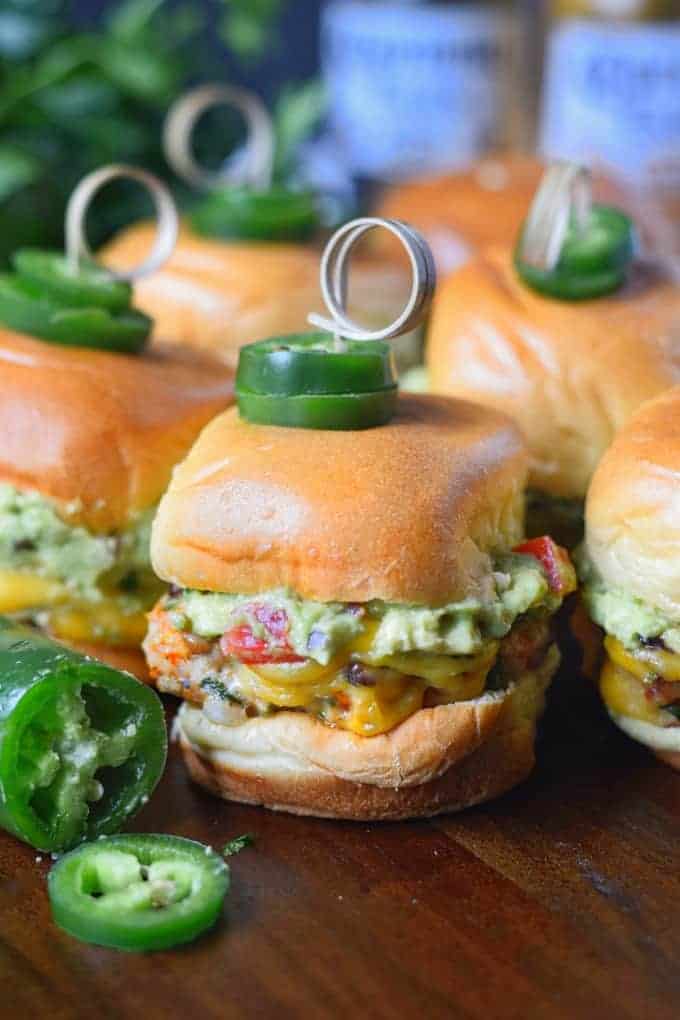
83 307
240 213
593 261
138 892
311 381
82 745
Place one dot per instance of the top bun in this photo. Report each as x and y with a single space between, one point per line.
98 432
461 213
633 507
406 512
219 295
569 372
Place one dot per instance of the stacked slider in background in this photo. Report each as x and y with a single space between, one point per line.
568 352
355 623
630 571
89 440
245 265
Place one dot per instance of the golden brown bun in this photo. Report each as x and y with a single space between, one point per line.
405 512
633 507
461 213
96 432
131 660
439 759
219 295
569 373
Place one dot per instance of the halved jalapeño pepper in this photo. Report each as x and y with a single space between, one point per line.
593 262
335 411
138 892
88 286
25 307
274 215
82 745
309 363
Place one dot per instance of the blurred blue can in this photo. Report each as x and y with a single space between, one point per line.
412 87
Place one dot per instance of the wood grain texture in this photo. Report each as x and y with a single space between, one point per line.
559 901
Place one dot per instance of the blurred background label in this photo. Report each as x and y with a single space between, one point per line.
413 88
612 95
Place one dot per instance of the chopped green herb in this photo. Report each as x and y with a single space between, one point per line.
234 846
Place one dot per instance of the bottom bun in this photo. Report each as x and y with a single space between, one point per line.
439 759
131 660
664 741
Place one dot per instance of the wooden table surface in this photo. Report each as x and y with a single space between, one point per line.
560 900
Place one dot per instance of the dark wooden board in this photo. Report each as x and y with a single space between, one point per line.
560 900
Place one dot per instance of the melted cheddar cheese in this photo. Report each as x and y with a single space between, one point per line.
391 695
622 681
106 621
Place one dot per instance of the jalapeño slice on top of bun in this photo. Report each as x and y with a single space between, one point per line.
355 622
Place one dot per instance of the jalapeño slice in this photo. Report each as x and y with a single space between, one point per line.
25 307
82 745
88 286
336 411
138 892
593 262
241 213
308 363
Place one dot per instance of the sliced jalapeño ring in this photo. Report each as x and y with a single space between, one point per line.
332 411
308 363
138 892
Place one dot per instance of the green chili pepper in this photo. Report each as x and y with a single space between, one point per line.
309 363
82 745
593 262
336 411
274 215
138 892
88 286
25 307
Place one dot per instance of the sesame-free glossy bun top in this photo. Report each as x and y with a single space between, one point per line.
633 507
97 432
570 373
406 512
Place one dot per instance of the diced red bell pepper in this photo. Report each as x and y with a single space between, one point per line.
242 644
554 560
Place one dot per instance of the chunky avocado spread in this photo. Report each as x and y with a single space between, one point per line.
317 630
34 539
622 615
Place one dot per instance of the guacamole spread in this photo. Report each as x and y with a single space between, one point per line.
34 539
318 630
622 615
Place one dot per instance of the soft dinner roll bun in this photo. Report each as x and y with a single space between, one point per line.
439 759
633 507
461 213
405 512
569 372
99 433
219 295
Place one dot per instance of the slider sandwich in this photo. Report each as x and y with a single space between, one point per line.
91 426
631 575
355 623
569 352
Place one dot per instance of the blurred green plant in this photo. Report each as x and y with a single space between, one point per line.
72 100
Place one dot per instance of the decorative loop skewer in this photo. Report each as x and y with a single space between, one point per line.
77 247
254 169
563 197
334 273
